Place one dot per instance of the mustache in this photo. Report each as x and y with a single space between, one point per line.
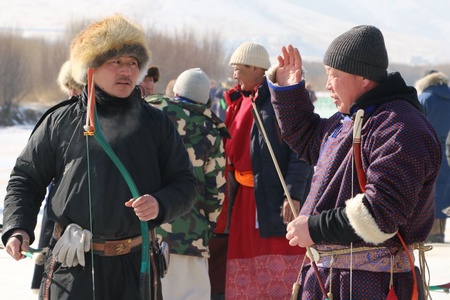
124 79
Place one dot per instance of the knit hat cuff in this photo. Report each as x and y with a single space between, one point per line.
351 66
251 54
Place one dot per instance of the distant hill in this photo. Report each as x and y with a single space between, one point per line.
416 31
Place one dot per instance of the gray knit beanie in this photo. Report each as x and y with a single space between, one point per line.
359 51
251 54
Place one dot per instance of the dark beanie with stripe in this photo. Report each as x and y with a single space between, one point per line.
359 51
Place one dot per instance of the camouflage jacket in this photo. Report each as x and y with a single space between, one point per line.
202 132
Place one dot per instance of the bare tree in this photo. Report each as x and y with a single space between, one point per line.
174 53
29 66
14 75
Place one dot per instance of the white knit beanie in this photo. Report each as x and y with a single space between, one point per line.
194 85
251 54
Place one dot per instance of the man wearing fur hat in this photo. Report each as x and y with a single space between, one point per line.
90 202
147 85
434 95
257 207
66 82
188 236
369 194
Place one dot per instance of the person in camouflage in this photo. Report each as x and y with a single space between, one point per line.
188 236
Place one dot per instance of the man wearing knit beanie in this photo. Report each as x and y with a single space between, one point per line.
90 201
359 51
188 236
257 210
192 85
370 192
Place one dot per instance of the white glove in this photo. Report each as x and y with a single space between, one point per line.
70 248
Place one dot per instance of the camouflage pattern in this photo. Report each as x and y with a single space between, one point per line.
202 132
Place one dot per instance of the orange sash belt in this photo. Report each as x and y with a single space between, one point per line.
244 178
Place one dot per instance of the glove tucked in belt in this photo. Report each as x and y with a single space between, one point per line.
69 249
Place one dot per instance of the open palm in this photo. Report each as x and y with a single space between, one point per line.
289 70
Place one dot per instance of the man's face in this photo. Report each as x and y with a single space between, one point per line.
345 88
148 84
117 76
248 77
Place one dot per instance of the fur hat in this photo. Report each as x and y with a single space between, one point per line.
153 72
193 84
105 39
251 54
359 51
65 79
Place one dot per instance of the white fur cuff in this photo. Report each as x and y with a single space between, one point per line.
271 75
363 223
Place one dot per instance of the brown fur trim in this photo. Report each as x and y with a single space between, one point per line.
437 78
105 39
65 79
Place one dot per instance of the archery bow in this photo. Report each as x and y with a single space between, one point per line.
362 184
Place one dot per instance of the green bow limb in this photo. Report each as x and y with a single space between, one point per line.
145 260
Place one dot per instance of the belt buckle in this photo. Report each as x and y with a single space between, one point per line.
114 248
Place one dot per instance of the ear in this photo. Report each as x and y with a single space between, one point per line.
368 84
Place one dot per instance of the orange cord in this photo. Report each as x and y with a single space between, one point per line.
415 294
89 128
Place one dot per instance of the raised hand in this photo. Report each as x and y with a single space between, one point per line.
289 70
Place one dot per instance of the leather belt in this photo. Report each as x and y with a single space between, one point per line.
106 247
118 247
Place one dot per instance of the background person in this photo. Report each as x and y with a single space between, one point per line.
72 88
147 85
312 93
434 95
188 236
260 262
66 82
169 88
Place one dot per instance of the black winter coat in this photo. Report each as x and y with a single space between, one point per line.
142 137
